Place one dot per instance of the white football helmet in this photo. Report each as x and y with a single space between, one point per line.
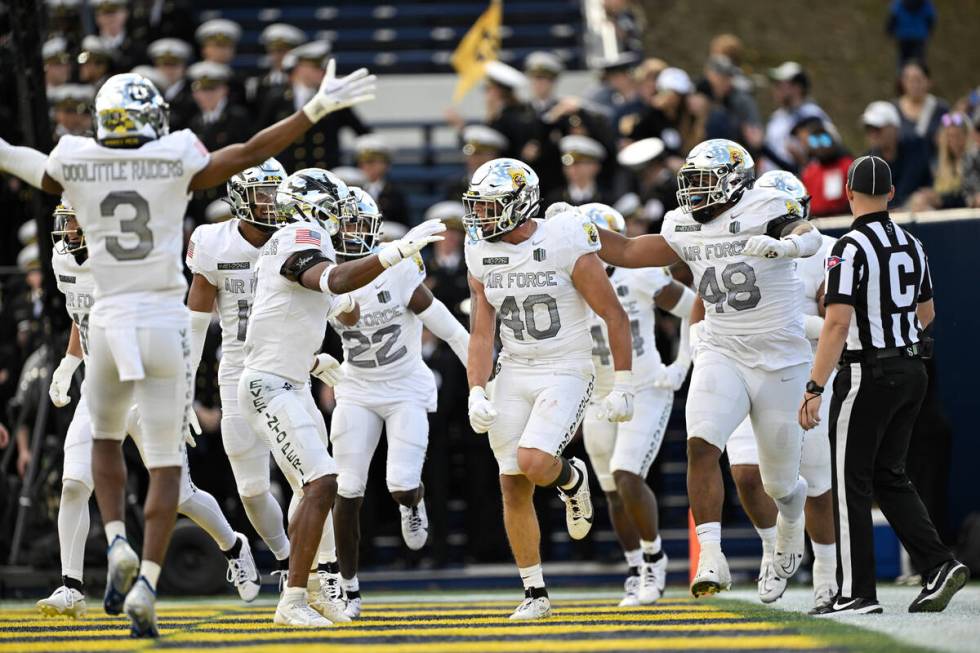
788 183
252 193
604 216
66 236
130 111
359 235
713 178
315 195
502 194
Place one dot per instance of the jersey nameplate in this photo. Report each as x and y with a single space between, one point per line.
65 278
243 265
496 260
687 227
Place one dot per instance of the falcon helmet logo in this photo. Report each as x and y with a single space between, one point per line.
793 208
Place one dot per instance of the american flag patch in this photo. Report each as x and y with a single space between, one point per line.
307 237
190 249
833 262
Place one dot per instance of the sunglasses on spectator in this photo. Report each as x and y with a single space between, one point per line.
820 140
953 119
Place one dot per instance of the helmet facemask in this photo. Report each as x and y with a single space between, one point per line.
706 192
489 218
359 235
67 236
255 203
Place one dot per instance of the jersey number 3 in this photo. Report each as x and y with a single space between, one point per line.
137 226
737 289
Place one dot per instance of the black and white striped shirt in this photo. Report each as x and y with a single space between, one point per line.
881 270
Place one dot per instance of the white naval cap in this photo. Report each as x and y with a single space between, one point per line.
447 211
208 71
674 79
55 48
641 152
315 51
170 50
543 63
282 34
500 73
480 138
575 148
218 29
370 146
351 176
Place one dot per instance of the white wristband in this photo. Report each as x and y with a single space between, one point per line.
325 281
682 308
623 379
478 391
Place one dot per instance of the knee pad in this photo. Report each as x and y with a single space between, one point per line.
251 474
351 485
73 490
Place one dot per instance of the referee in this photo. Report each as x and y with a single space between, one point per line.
878 300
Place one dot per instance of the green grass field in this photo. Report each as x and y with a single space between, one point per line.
438 622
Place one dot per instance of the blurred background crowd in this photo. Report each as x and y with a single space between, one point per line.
230 69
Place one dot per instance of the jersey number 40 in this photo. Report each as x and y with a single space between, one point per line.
520 321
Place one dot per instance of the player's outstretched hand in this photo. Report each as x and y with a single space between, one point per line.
342 304
193 427
327 369
769 247
336 94
672 376
617 406
482 412
61 380
411 243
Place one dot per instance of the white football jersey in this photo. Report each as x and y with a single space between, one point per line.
78 286
288 321
811 271
636 289
386 342
131 205
542 316
753 305
220 254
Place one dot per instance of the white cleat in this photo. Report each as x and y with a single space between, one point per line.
824 594
140 607
64 602
532 608
415 525
713 575
298 613
242 572
329 601
789 546
631 597
653 580
771 586
353 609
578 504
124 566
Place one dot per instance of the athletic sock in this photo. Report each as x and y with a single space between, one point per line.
824 562
634 558
768 537
652 551
294 595
234 551
115 529
73 527
328 567
283 565
532 576
351 587
72 583
151 572
709 536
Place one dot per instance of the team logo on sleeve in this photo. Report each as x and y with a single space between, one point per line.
591 233
833 261
307 237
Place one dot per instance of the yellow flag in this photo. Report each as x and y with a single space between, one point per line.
480 45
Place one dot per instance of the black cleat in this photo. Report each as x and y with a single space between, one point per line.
939 586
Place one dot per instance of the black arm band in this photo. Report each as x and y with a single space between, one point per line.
777 227
300 262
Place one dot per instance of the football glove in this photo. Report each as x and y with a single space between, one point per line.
769 247
342 304
671 377
336 94
327 369
411 243
482 412
61 380
617 406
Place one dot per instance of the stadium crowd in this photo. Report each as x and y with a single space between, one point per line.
619 143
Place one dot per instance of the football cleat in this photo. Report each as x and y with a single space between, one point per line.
532 608
353 609
653 580
823 595
631 595
790 546
64 602
578 503
415 525
124 566
140 607
771 586
712 576
298 613
329 601
242 572
939 586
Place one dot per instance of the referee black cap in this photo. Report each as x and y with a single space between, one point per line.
869 175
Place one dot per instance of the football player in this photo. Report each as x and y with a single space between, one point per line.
130 185
621 454
385 383
298 286
740 243
743 454
74 278
544 281
222 258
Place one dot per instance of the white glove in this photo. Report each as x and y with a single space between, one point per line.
335 94
342 304
558 207
482 412
411 243
617 406
61 380
671 377
193 426
694 334
769 247
812 326
327 369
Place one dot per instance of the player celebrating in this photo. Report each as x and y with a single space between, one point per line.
74 278
743 454
222 257
541 277
385 384
298 286
621 454
130 186
740 243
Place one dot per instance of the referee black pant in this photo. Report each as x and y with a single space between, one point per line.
871 418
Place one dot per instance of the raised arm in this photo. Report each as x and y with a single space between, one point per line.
27 164
648 251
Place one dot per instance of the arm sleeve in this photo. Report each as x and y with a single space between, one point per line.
843 273
24 162
200 321
444 326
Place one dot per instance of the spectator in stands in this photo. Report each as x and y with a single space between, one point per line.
351 176
670 118
730 46
170 58
921 111
907 154
480 144
949 189
111 17
825 175
542 70
572 116
507 114
94 61
629 114
910 22
627 23
446 276
373 157
218 41
790 94
64 20
653 182
71 104
581 159
278 39
158 19
971 167
57 62
616 86
733 114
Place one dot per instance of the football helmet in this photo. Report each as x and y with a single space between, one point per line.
788 183
604 216
252 193
67 236
503 194
359 235
317 196
713 178
130 111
